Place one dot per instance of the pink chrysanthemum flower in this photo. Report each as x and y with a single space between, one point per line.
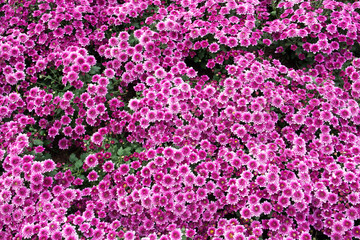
108 166
91 160
92 176
213 48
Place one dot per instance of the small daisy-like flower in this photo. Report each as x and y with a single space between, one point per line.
37 167
232 42
277 102
160 73
124 169
56 235
168 180
134 104
63 144
222 139
168 152
191 73
130 235
103 81
130 180
27 231
92 176
85 67
232 198
109 73
91 160
338 228
68 230
245 213
6 209
213 48
267 42
175 234
108 166
273 224
37 178
53 132
178 156
97 138
79 129
328 149
65 120
98 234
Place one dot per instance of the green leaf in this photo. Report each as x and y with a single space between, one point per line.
94 70
73 157
78 164
67 87
83 156
120 151
127 150
38 142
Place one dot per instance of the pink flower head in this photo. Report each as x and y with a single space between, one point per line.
245 213
37 178
213 48
68 230
27 230
92 176
356 86
178 156
91 160
68 95
63 144
222 139
130 180
85 67
130 235
273 224
97 138
108 166
109 73
168 180
175 234
168 152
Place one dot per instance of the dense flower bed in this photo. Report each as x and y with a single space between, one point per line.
206 119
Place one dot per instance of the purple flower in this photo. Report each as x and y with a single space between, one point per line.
129 235
222 139
273 224
37 178
168 180
108 166
178 156
356 231
168 152
91 160
213 48
79 129
92 176
68 230
130 180
97 138
245 213
109 73
124 169
63 144
27 230
175 234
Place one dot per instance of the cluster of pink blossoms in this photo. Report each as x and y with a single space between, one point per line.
247 114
